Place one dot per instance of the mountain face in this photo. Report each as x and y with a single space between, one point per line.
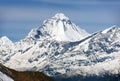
6 48
59 47
58 28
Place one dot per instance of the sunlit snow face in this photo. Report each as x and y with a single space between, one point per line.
59 28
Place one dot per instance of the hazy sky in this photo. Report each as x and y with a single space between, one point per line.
18 17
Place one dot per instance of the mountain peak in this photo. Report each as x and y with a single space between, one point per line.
60 16
114 27
59 28
5 38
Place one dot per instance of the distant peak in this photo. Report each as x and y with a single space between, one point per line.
4 38
114 27
59 28
60 16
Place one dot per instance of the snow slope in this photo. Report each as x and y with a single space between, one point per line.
59 28
6 48
4 77
52 49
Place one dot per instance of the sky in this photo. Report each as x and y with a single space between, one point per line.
18 17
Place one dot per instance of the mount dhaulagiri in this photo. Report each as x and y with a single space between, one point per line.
59 48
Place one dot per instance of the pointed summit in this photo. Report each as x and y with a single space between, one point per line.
112 28
4 40
60 16
59 28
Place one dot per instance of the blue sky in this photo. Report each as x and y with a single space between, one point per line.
18 17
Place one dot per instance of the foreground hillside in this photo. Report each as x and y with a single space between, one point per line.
22 76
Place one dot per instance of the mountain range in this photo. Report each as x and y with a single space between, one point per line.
61 48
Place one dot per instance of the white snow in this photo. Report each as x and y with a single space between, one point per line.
5 40
4 77
106 30
60 16
60 28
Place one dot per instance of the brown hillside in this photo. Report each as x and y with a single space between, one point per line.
24 76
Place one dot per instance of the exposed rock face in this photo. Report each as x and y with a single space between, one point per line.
24 76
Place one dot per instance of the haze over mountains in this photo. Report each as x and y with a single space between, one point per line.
59 47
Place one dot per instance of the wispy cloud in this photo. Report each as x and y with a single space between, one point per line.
80 1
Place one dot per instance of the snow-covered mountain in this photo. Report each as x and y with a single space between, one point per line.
59 28
60 47
6 48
